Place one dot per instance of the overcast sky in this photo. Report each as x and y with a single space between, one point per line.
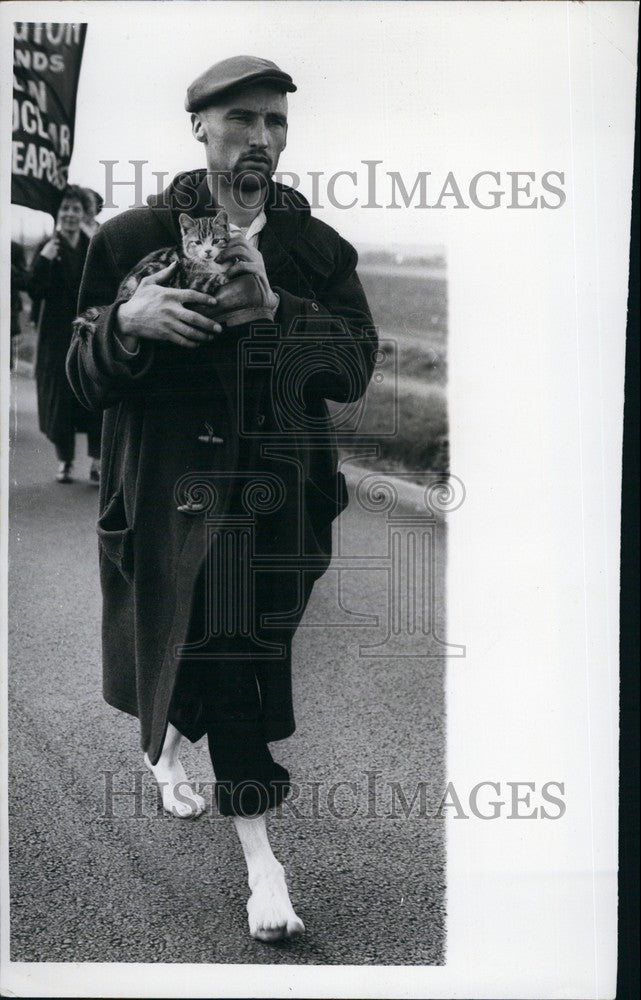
420 86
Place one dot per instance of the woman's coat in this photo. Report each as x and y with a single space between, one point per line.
53 286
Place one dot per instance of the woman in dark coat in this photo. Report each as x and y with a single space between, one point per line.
18 284
53 285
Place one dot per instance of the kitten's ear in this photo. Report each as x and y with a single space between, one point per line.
221 219
186 222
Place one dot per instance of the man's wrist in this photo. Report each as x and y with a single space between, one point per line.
127 341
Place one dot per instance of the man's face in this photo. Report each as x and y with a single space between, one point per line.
244 135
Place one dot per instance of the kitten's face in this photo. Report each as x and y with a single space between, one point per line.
202 239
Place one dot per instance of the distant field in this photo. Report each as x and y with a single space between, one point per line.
411 301
409 306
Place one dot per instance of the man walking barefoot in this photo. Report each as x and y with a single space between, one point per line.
220 479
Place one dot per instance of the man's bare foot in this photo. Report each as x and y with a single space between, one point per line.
271 914
178 797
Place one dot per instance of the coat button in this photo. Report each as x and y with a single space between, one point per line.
210 437
315 306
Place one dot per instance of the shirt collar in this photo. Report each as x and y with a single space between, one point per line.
254 227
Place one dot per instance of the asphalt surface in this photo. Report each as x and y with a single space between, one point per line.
102 878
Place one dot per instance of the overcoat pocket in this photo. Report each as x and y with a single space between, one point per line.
116 536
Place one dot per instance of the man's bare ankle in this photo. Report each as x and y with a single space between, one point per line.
269 868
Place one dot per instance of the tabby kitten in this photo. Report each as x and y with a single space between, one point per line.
202 241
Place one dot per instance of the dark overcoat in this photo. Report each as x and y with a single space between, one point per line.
240 426
53 286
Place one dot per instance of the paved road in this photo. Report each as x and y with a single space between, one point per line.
96 878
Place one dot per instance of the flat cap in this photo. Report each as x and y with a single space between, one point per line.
231 74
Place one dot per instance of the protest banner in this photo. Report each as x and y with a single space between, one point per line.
46 68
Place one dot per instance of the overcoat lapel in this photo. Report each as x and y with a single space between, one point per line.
281 268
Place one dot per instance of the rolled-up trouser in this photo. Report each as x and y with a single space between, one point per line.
219 694
248 780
